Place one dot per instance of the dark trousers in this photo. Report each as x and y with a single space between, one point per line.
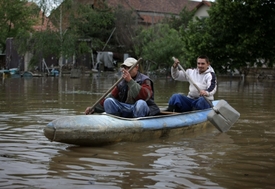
182 103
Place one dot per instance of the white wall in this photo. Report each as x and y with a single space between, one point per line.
202 12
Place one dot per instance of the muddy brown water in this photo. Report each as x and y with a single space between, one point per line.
243 157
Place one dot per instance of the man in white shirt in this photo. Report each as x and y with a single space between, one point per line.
204 77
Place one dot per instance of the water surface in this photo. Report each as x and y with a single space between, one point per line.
243 157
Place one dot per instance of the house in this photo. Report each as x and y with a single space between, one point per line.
153 11
202 9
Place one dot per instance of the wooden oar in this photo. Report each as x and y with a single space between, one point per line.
115 84
222 116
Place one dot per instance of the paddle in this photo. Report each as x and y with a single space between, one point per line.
115 84
222 116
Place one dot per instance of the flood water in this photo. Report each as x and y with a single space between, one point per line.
243 157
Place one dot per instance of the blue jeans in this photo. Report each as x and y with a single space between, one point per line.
183 103
114 107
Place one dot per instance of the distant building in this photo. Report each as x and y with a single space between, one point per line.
153 11
202 9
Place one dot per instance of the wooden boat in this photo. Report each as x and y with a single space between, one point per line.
102 129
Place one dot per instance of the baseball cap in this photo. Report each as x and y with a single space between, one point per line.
129 62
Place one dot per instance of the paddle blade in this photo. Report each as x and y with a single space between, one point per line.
223 116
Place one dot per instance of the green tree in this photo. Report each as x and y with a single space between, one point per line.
159 44
236 33
57 40
162 41
182 20
16 16
74 27
196 41
127 28
93 23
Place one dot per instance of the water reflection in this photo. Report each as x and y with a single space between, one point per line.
241 158
157 165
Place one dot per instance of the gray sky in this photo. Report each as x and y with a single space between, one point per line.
50 4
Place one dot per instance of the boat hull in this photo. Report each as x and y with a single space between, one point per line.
94 130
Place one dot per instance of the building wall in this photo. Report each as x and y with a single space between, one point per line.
13 59
2 61
202 12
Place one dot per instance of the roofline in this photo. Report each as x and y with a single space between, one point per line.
203 2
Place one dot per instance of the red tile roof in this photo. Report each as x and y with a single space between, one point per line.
150 11
151 19
158 6
203 2
153 11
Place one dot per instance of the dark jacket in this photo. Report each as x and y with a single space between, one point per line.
139 88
